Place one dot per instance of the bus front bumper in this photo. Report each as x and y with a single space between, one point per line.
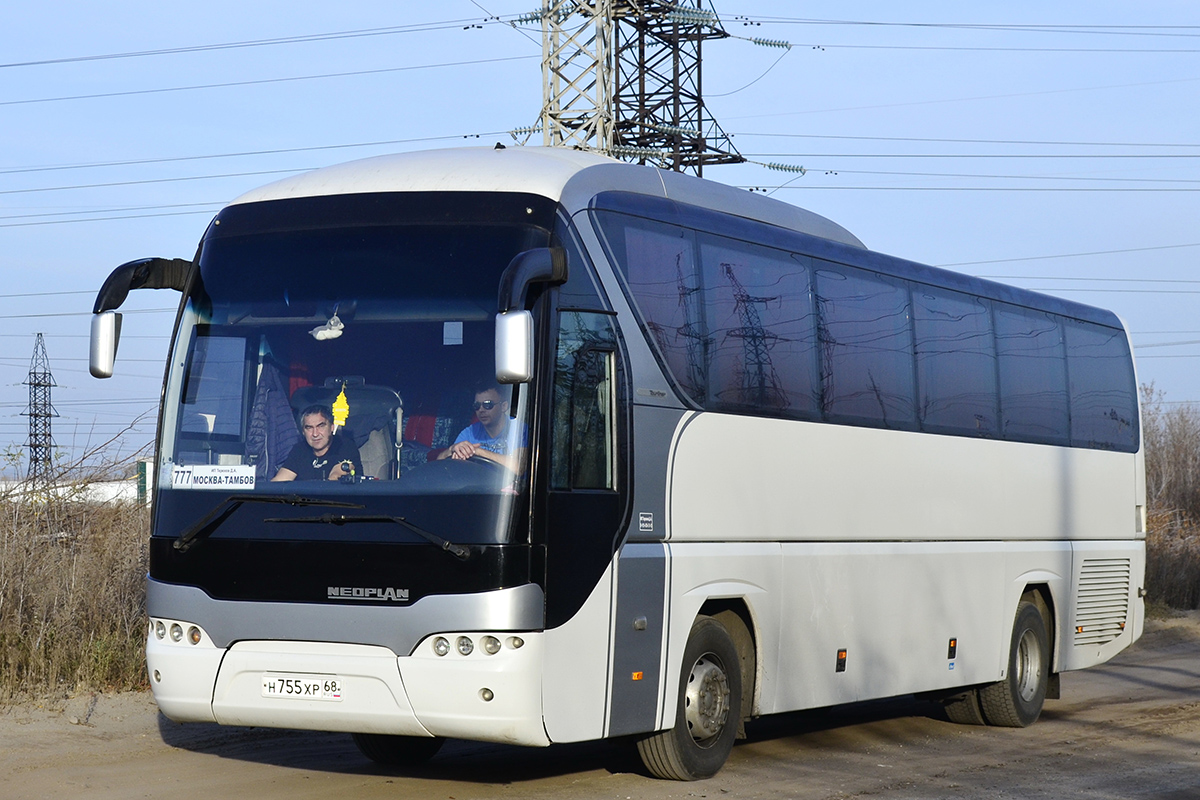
489 690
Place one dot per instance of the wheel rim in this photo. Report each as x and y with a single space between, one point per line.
1028 666
706 701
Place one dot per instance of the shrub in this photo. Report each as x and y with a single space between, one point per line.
72 595
1171 439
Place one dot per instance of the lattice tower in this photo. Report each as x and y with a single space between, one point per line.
41 411
624 78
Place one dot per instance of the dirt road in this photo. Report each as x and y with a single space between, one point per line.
1125 731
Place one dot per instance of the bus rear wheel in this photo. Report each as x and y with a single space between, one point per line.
708 712
397 751
1016 701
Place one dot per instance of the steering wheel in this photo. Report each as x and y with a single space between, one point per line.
508 472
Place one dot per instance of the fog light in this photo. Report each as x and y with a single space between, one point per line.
486 695
157 676
194 635
160 630
441 646
176 632
491 645
465 646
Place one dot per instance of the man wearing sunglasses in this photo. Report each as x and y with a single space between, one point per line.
495 437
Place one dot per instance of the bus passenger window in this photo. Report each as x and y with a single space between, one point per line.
866 348
1102 390
1033 376
956 363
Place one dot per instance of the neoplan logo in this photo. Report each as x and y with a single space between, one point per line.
367 593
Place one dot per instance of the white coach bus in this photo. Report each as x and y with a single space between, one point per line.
750 466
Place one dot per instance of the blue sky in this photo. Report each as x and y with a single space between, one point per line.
1054 145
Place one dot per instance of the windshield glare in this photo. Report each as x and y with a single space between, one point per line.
348 359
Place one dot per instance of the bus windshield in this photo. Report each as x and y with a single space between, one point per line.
338 348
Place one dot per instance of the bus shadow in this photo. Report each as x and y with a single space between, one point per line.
458 760
489 763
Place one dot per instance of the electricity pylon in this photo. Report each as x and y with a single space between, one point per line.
623 77
41 411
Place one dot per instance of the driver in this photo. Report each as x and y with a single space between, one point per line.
324 455
495 437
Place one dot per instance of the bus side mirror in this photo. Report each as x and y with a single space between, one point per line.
145 273
514 324
514 346
106 335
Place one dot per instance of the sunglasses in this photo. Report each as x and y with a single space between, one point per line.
486 405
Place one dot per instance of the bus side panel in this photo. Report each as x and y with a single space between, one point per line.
638 638
575 672
750 477
870 620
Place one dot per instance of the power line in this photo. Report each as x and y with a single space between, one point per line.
811 188
262 81
924 139
839 171
275 151
970 99
1070 255
153 180
1097 156
315 37
1110 30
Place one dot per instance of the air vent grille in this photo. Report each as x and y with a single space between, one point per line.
1103 607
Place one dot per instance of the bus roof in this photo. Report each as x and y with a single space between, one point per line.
561 174
575 177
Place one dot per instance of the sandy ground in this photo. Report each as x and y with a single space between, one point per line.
1124 731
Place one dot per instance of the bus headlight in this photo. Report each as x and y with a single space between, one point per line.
491 645
441 646
465 646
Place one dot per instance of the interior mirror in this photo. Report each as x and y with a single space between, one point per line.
514 346
106 335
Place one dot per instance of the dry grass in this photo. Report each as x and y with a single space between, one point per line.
1171 436
1173 560
72 596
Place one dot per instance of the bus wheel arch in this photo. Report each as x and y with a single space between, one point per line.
708 713
735 616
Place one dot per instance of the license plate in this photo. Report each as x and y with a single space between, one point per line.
302 687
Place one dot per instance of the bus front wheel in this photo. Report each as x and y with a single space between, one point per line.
1016 701
708 711
397 751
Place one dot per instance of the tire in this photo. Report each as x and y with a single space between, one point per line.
708 713
964 709
397 751
1016 701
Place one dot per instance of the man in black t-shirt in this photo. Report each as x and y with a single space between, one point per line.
324 455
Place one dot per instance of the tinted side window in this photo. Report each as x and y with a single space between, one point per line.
762 326
584 415
1033 377
214 386
866 348
956 363
658 262
1101 386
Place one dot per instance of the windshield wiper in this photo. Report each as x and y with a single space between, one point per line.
233 502
341 519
